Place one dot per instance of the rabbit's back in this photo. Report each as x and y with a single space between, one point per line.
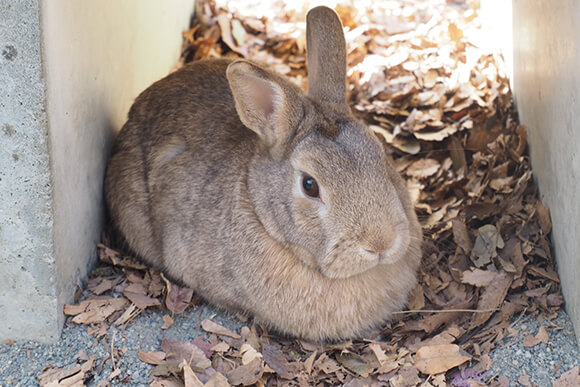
167 156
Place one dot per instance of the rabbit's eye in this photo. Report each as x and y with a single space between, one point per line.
310 186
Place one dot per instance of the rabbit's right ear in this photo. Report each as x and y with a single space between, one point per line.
326 49
265 103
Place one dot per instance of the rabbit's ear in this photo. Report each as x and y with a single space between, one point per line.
264 102
326 50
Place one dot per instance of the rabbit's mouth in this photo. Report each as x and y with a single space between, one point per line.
349 258
396 251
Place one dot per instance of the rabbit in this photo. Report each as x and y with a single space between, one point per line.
264 200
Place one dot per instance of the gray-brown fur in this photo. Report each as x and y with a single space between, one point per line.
205 184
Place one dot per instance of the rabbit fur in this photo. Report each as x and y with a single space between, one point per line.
209 182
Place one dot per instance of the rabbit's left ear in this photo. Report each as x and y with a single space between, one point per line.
265 104
326 50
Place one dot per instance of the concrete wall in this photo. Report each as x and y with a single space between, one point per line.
547 89
69 71
27 267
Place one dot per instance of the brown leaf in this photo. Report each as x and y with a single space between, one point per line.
488 240
436 135
354 363
416 298
326 364
492 297
227 38
178 298
221 347
541 337
189 377
112 257
152 357
276 360
170 382
238 32
461 235
140 300
247 374
249 353
544 218
53 375
97 310
213 327
166 369
167 322
309 363
436 359
407 376
478 277
457 154
103 286
455 32
524 380
423 168
570 378
379 352
217 380
177 351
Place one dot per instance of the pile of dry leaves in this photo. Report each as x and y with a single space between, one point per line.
444 107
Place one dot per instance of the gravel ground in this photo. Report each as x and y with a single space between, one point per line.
544 363
21 362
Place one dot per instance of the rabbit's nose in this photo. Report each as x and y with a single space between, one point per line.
378 244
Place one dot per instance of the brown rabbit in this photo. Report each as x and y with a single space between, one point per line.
264 200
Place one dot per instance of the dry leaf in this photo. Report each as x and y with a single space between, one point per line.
178 298
309 363
524 380
492 297
486 243
326 364
246 375
423 168
569 379
140 300
249 353
217 380
173 382
478 277
97 310
221 347
189 377
354 363
152 357
541 337
178 351
213 327
461 235
276 360
379 353
167 321
435 359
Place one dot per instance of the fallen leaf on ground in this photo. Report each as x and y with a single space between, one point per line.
177 298
167 322
152 357
570 378
541 337
436 359
524 380
189 377
247 374
213 327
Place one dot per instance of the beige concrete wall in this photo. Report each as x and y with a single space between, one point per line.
547 89
89 59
